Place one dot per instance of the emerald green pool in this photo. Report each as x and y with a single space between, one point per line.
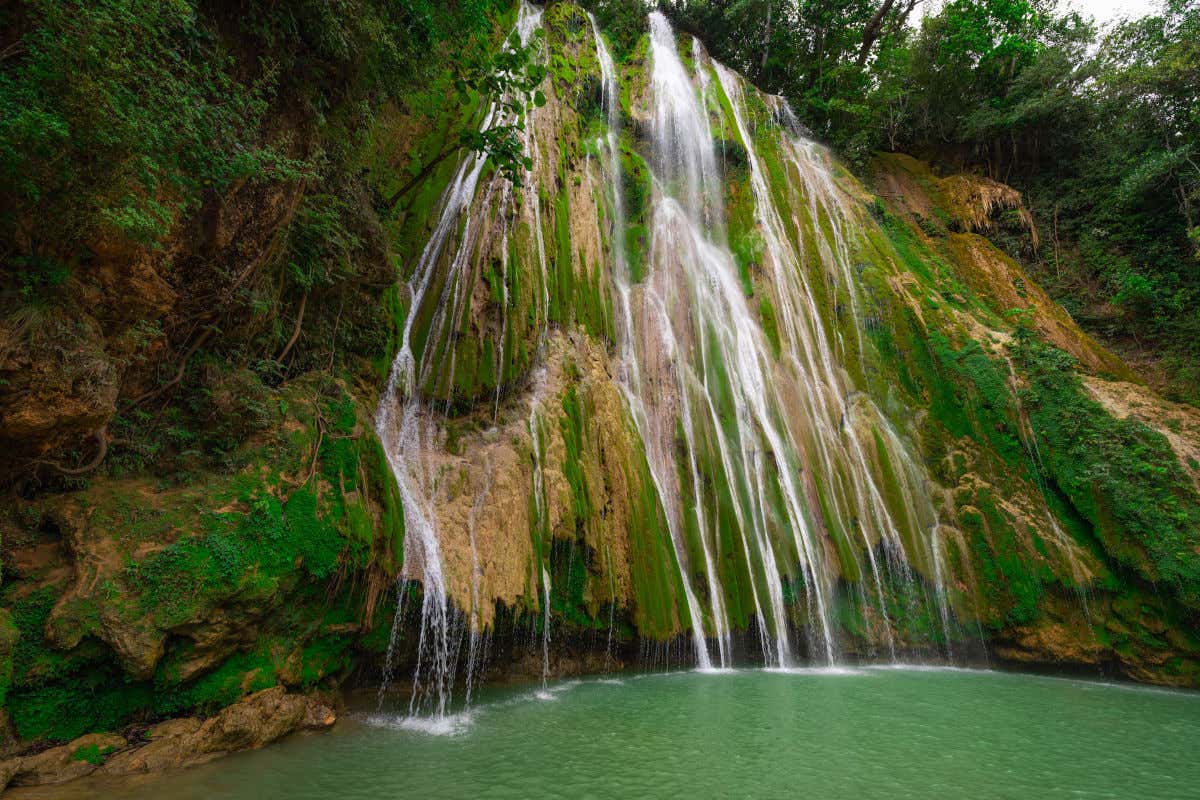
864 733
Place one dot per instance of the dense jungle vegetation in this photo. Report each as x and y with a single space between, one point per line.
132 130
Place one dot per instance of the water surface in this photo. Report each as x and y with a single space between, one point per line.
869 733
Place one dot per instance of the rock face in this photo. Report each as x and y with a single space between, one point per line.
965 400
883 427
252 722
61 764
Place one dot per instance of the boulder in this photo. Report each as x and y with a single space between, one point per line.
81 757
252 722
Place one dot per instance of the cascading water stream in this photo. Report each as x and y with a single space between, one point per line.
545 627
631 372
803 456
405 423
831 403
696 307
779 426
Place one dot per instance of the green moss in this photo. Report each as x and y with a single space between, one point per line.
239 675
10 635
982 405
264 537
636 187
1121 475
100 699
770 325
571 567
572 431
34 662
92 754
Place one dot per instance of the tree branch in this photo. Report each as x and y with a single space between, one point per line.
101 437
295 331
872 30
178 375
421 176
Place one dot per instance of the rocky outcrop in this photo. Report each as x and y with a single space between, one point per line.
61 764
1178 423
250 723
951 214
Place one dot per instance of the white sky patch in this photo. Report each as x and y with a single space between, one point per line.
1106 11
1103 11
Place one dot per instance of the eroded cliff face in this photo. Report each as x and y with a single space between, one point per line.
952 471
712 390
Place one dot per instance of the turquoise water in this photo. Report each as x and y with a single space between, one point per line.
869 733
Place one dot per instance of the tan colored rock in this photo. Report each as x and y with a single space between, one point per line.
98 558
60 383
1179 423
174 727
215 639
1051 643
81 757
969 203
250 723
8 769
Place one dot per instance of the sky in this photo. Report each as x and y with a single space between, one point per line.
1109 10
1103 11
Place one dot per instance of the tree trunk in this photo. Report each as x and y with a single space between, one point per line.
762 69
295 331
871 31
422 175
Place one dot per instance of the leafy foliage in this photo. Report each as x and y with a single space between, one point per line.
119 114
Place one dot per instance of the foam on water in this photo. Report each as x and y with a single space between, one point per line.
835 671
444 725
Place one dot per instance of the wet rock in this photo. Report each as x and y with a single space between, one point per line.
1051 643
250 723
81 757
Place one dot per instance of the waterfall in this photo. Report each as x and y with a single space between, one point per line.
612 608
833 406
787 430
694 312
785 489
545 627
405 421
631 372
